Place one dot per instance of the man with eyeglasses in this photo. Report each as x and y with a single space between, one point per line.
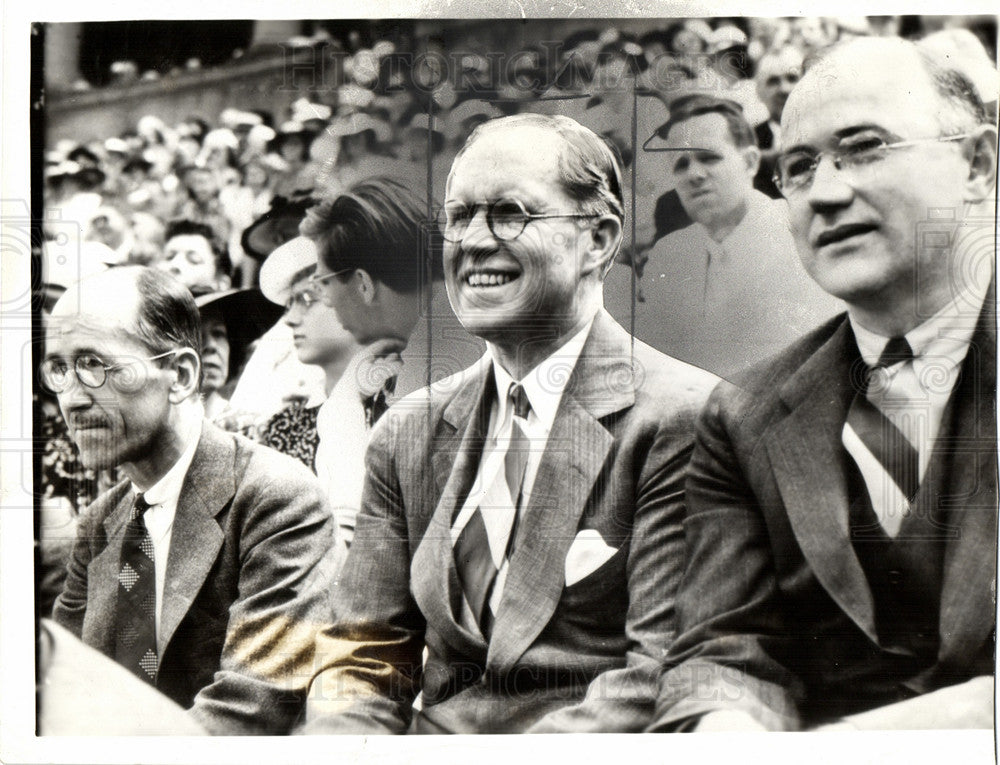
842 499
202 573
518 546
727 290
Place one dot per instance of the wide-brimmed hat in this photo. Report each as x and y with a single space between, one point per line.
247 315
275 227
285 266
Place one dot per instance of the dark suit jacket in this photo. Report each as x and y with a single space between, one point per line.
764 180
244 591
775 613
576 658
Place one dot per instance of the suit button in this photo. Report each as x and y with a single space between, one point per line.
895 577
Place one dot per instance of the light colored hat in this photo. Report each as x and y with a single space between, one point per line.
283 265
220 138
303 110
116 145
66 263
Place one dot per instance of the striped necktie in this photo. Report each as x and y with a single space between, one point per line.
888 461
135 610
475 562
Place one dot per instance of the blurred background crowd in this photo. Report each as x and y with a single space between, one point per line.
198 147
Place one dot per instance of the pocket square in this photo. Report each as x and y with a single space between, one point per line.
588 553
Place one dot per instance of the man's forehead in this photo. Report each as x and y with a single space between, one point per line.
700 131
885 86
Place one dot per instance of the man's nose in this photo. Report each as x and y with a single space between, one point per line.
829 187
76 395
477 230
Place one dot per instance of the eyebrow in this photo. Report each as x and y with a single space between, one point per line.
846 133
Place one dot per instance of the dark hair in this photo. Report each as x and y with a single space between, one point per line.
589 167
167 317
377 226
695 104
187 227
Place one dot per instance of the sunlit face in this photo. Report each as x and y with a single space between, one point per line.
214 351
715 177
857 231
202 184
506 291
776 76
317 333
126 419
190 259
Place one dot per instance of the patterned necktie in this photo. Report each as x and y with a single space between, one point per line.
474 561
135 610
888 461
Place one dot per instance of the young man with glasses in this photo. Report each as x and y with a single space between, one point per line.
519 541
842 500
201 574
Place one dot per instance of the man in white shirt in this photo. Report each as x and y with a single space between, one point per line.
203 572
842 499
515 557
728 290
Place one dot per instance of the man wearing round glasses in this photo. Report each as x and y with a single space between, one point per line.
521 520
847 488
194 573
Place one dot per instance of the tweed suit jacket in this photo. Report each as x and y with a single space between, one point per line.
582 657
245 584
775 613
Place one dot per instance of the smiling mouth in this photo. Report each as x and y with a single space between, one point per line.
490 278
841 233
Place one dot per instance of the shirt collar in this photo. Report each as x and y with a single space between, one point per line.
544 385
168 489
945 335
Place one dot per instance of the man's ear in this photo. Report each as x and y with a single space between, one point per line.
751 155
981 152
187 367
366 286
605 238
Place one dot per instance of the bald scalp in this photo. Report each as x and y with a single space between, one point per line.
146 303
961 108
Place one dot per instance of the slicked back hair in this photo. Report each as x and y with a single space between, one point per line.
376 226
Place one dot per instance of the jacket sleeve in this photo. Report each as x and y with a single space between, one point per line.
285 542
71 606
730 621
369 657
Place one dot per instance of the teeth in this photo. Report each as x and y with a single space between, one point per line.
488 280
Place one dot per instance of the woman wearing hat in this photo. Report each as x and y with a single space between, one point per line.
354 378
231 321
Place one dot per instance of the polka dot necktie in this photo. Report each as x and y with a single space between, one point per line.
135 611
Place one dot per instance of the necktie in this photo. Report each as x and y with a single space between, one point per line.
888 461
376 404
135 610
495 518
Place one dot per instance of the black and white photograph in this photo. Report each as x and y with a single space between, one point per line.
499 370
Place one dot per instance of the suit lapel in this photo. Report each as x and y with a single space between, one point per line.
454 463
102 574
805 450
967 606
574 455
196 537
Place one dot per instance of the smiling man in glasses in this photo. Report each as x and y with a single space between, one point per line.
842 502
521 520
195 573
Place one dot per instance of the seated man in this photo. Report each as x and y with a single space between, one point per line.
728 290
776 75
202 573
842 502
520 520
194 256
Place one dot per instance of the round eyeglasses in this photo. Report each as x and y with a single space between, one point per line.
89 369
505 218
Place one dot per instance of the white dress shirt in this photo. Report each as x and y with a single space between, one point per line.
544 386
162 497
